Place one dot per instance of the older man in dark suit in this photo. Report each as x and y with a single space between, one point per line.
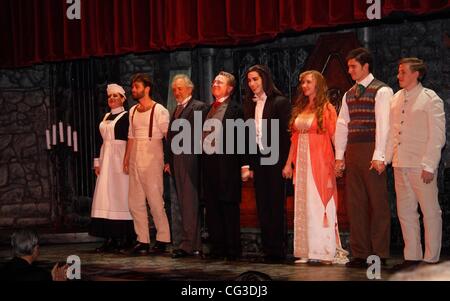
221 171
183 165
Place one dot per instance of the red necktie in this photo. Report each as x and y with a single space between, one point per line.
216 104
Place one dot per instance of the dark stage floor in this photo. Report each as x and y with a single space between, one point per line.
115 267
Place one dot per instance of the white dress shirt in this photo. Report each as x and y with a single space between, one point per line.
259 109
382 109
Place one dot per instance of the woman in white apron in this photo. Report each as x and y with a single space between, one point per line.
111 218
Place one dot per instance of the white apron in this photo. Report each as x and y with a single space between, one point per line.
111 189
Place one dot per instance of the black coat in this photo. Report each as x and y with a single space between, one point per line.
188 116
276 107
221 174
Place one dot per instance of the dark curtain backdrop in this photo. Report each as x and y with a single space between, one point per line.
34 31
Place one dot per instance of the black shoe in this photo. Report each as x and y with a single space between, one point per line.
179 253
102 248
406 265
358 263
108 246
159 247
123 244
138 249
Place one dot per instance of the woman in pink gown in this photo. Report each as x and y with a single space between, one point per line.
311 165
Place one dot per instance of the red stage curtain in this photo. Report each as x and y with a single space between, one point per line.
35 31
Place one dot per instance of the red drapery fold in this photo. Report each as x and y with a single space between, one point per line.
35 31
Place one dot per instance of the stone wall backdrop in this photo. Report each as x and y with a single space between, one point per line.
32 97
25 176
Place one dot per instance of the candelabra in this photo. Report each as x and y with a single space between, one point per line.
61 152
72 136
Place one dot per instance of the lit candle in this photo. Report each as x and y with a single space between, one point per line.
75 141
47 138
69 135
61 132
54 134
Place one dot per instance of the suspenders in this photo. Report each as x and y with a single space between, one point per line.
150 129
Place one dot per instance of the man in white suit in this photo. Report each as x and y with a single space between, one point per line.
416 137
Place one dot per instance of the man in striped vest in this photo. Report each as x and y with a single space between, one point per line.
361 133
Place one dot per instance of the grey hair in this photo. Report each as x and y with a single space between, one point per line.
186 79
23 242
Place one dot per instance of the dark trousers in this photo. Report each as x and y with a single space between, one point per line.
270 194
223 221
185 204
222 198
367 203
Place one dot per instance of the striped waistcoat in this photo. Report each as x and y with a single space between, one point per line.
362 125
